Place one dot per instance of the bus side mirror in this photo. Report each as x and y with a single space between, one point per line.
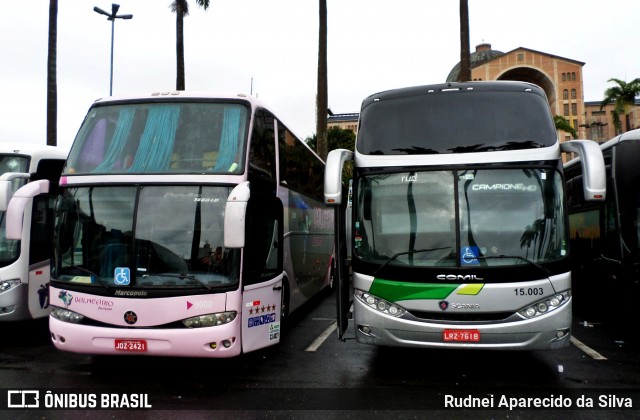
333 176
593 169
15 209
6 187
235 213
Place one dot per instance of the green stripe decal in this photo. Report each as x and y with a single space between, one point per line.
394 291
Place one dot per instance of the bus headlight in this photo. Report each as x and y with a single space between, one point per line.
9 284
546 305
378 304
210 320
66 315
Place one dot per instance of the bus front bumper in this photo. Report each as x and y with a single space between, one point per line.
550 331
219 341
14 304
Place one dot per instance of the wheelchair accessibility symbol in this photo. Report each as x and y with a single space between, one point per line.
122 276
469 255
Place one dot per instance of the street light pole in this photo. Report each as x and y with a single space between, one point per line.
112 17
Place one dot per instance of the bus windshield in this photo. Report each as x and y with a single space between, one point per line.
498 217
9 248
161 137
144 237
422 123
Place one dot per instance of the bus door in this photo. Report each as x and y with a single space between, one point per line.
342 239
263 274
40 251
333 196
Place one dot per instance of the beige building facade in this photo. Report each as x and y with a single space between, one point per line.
560 77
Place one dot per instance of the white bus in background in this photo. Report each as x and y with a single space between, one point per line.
459 231
30 174
188 224
605 235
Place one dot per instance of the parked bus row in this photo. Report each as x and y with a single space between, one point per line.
188 224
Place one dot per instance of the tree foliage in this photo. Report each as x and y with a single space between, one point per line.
337 138
623 95
562 124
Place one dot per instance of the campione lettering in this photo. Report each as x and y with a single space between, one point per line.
504 187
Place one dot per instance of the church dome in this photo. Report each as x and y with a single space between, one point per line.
482 54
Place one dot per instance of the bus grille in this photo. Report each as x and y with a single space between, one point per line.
461 317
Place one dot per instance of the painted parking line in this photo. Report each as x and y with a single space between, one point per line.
322 337
586 349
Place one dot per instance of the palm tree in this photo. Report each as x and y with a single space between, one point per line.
465 54
322 102
623 96
181 9
52 84
563 125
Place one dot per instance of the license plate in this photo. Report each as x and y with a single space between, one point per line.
464 336
131 345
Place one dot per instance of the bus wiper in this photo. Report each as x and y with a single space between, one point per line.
181 277
516 257
397 254
93 275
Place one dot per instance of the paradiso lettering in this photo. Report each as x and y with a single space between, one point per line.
504 187
262 319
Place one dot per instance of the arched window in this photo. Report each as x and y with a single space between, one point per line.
573 94
565 94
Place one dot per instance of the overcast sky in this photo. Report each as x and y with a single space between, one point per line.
373 45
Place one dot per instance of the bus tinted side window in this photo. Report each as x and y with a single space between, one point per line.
40 247
262 154
299 169
263 252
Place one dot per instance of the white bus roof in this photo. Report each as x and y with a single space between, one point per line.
181 95
629 135
36 151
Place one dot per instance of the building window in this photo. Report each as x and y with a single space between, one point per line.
564 77
565 94
573 75
520 56
573 94
574 109
566 109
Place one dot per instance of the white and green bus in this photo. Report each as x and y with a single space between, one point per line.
459 232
